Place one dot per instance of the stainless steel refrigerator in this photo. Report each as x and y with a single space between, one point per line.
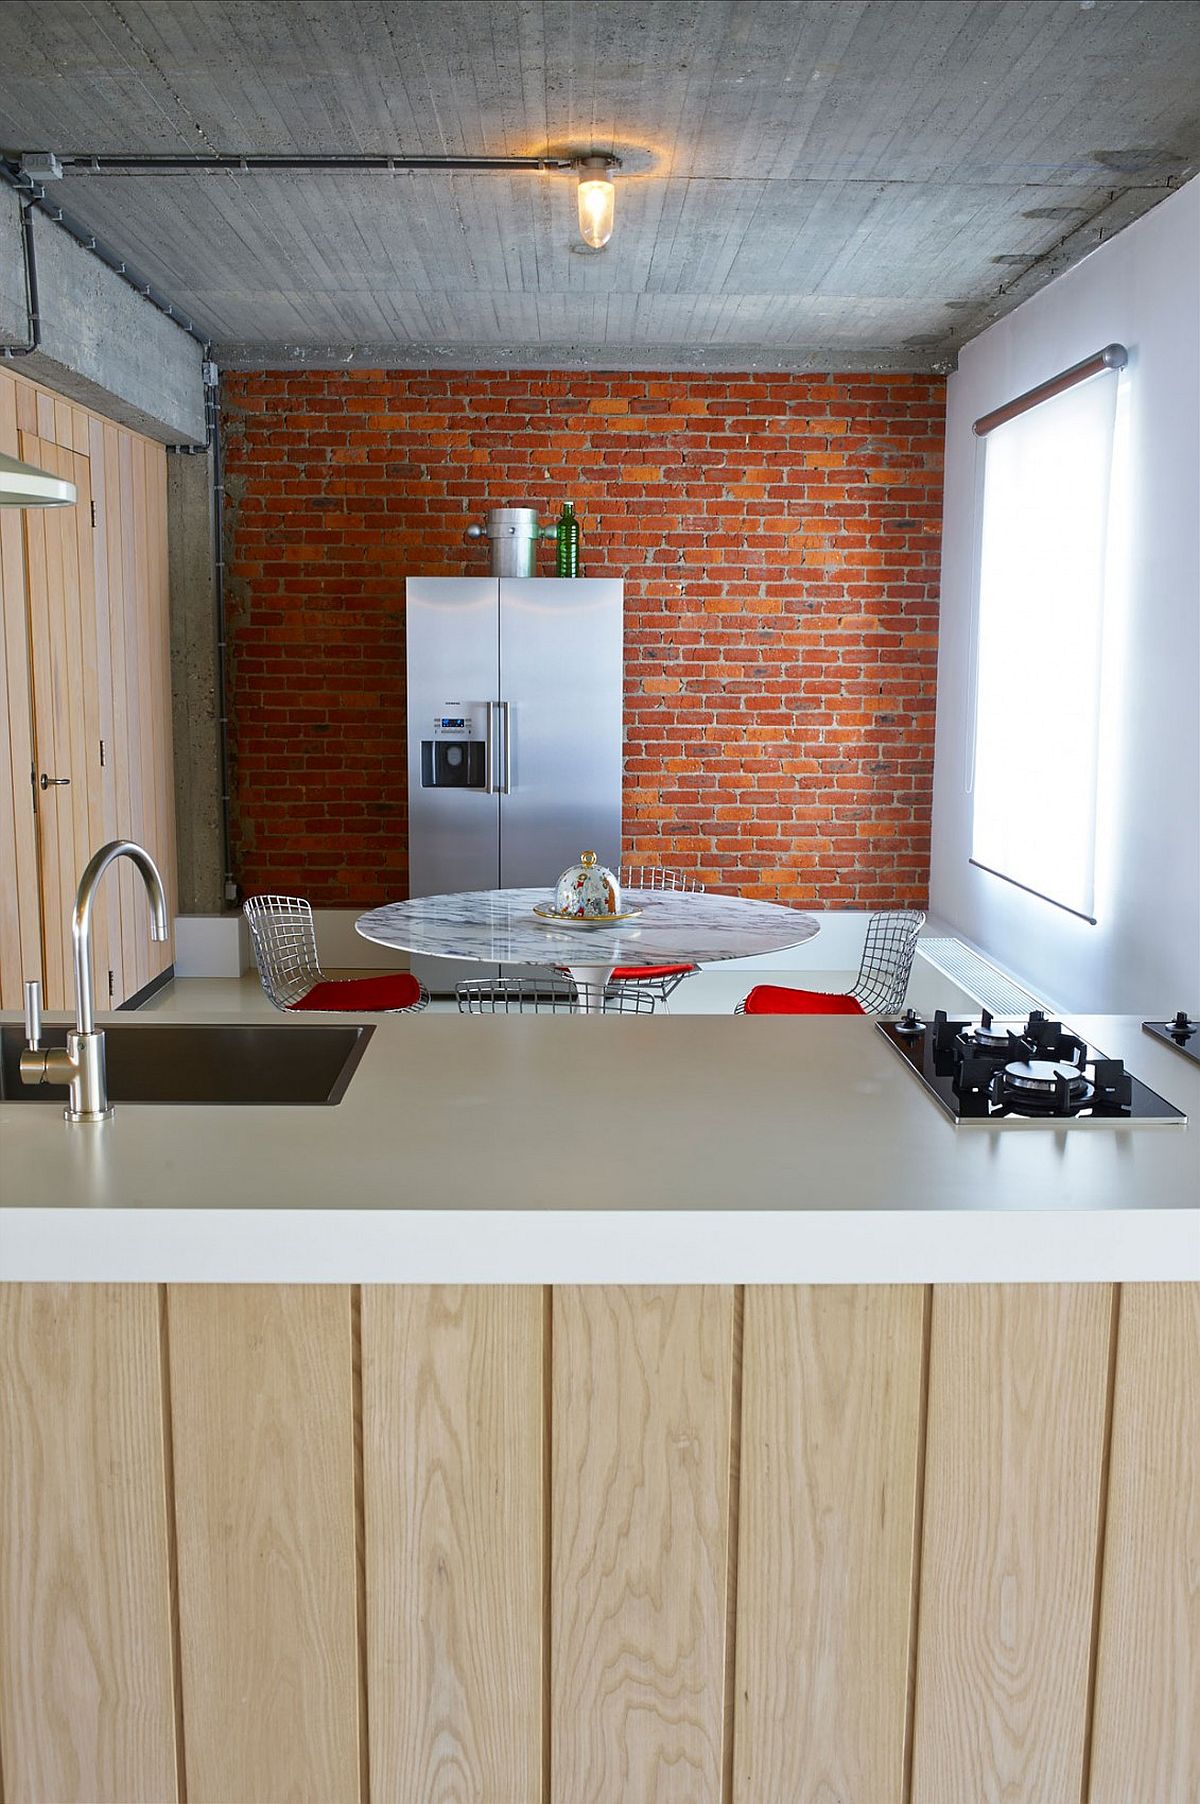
514 734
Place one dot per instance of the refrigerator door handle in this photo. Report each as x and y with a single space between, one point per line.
506 779
489 750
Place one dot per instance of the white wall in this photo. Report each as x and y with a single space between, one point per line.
1143 956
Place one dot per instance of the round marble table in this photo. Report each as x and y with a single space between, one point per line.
675 927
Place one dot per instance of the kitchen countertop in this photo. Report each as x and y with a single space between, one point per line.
682 1149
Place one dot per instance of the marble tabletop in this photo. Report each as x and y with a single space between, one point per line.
675 927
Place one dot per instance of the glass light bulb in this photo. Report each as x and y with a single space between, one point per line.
597 198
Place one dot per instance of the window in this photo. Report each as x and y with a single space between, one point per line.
1039 628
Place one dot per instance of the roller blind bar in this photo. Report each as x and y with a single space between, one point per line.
1112 357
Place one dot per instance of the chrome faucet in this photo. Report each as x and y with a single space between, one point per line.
81 1065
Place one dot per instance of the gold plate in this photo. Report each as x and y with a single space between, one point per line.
552 917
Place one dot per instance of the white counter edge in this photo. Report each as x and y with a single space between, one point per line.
290 1246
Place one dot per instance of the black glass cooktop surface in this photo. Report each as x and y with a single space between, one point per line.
1035 1071
1182 1032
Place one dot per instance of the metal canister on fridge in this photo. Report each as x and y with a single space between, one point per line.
514 533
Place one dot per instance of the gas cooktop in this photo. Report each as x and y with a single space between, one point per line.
1012 1071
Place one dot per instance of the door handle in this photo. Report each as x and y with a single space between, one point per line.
506 779
54 782
489 750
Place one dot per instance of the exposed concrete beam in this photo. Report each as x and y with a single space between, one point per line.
102 343
767 359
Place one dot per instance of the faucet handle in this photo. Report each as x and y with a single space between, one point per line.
33 1014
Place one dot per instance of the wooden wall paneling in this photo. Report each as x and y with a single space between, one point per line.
167 770
136 943
27 406
88 786
123 747
63 433
831 1421
61 603
143 622
151 745
103 789
74 430
1015 1455
262 1416
453 1430
70 733
20 895
14 794
55 835
1146 1718
94 602
640 1438
87 1711
155 652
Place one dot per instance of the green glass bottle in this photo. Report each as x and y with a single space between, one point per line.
566 538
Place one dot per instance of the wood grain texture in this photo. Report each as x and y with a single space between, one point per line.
20 898
262 1413
831 1412
86 1704
84 661
60 578
1147 1710
642 1388
454 1494
1018 1384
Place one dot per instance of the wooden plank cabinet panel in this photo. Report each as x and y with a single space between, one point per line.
1018 1389
262 1413
20 899
124 744
1147 1712
640 1438
453 1432
137 734
154 655
87 1713
831 1420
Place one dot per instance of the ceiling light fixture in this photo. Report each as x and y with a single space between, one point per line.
597 197
593 170
24 485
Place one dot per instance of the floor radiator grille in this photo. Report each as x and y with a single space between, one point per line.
990 987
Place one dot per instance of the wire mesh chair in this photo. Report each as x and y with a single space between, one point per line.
285 951
550 996
656 876
879 988
661 979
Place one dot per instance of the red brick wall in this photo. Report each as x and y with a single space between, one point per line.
779 540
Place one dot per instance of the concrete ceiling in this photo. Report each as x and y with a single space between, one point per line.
808 184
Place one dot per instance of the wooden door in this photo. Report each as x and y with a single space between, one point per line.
85 694
68 746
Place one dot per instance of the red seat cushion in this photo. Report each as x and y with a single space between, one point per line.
363 995
634 973
774 999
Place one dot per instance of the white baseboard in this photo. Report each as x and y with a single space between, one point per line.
211 946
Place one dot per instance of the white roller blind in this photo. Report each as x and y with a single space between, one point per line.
1039 638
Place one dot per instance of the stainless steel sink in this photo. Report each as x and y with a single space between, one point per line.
183 1063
